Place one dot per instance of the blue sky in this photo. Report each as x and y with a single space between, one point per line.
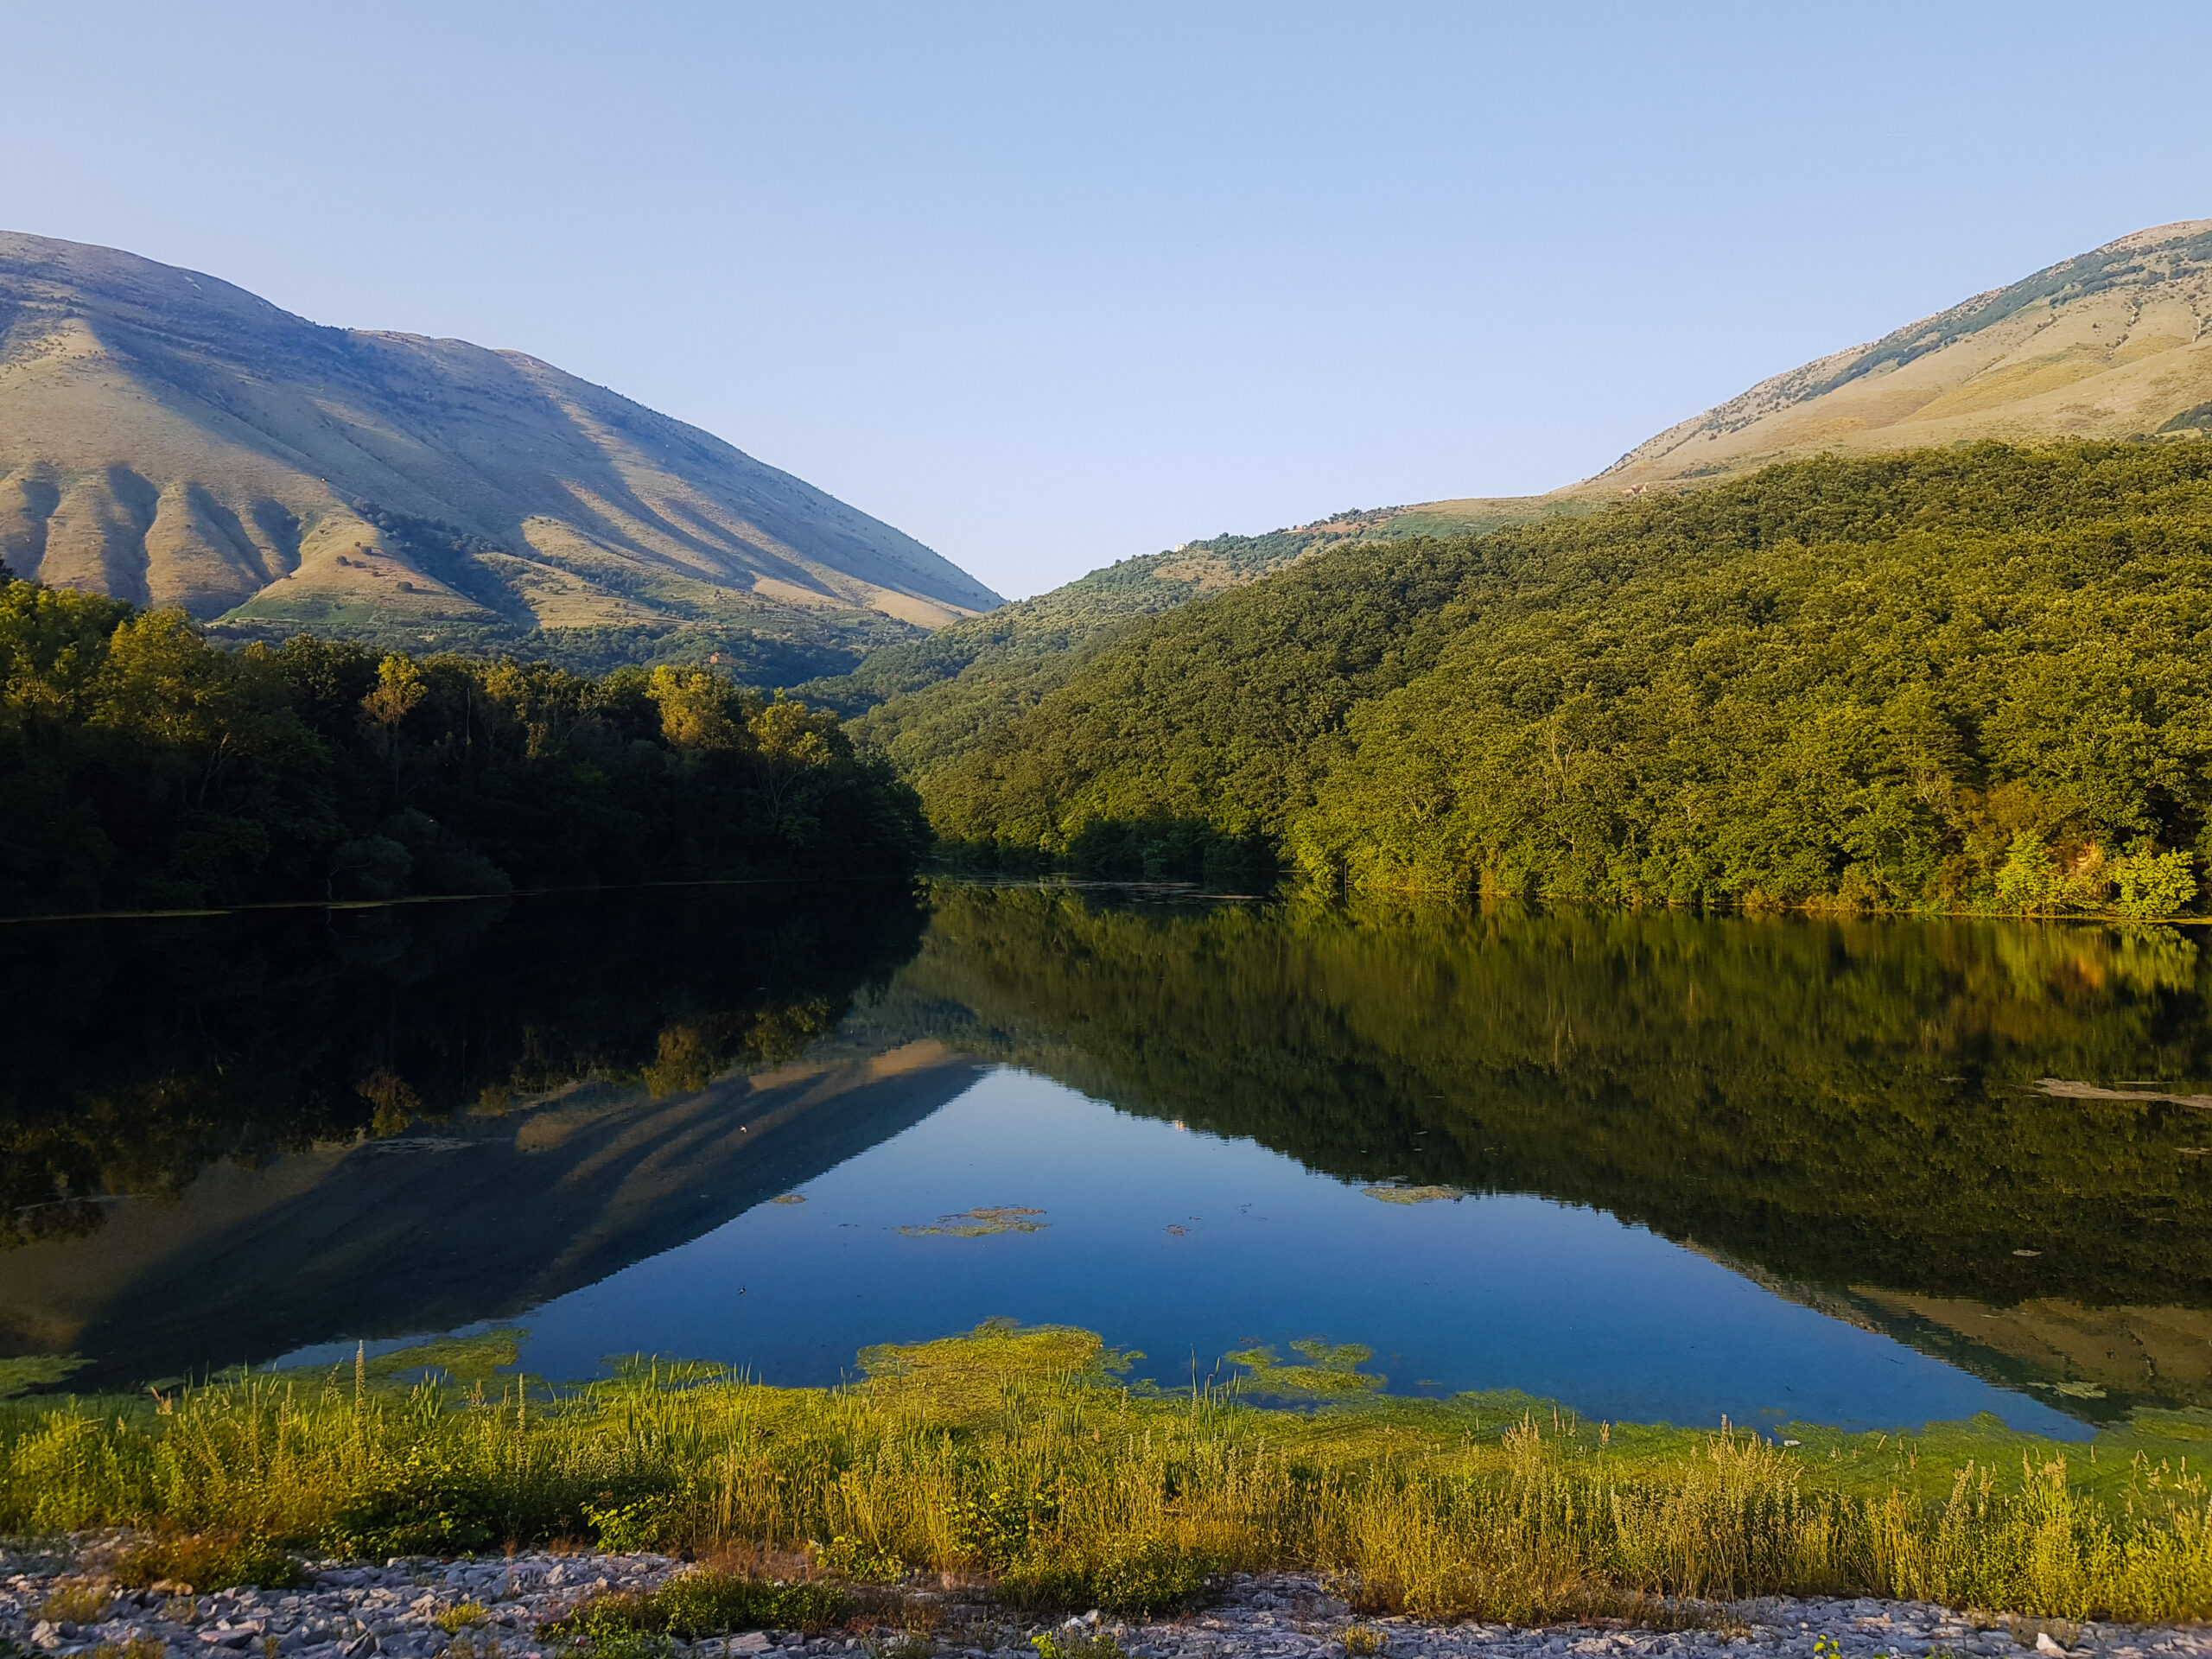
1051 284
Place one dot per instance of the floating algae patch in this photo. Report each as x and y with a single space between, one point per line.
1329 1373
981 1224
30 1371
1413 1194
957 1377
654 1371
465 1359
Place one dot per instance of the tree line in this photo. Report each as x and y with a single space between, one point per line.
142 767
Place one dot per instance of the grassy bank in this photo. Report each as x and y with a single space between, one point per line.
1020 1454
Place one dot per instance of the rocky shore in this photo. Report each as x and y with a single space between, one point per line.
494 1608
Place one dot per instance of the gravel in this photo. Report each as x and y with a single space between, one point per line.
357 1612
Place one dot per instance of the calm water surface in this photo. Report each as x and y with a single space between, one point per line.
1653 1166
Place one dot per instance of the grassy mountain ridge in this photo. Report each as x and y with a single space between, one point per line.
172 440
2114 343
1941 677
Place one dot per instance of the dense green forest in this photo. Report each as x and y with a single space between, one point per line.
926 698
1966 678
141 767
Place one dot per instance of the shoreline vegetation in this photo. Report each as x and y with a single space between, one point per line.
1025 1456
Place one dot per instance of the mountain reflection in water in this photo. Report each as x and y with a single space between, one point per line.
230 1138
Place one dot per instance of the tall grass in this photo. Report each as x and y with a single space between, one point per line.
1016 1453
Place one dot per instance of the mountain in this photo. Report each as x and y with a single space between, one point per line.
2116 343
173 440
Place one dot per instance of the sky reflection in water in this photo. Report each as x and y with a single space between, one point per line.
1501 1292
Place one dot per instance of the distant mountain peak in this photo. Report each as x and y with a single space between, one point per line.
170 438
2114 343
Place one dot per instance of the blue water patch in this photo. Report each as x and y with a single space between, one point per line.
1187 1247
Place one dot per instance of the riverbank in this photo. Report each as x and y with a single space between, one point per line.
1020 1459
514 1606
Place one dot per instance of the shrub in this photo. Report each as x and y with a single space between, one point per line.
208 1561
421 1508
642 1523
79 1603
1141 1581
862 1559
2152 883
704 1602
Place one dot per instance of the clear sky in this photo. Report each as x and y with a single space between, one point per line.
1048 284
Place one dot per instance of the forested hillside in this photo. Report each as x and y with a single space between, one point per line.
1957 678
141 767
924 701
931 696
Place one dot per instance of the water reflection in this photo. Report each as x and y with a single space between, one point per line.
222 1137
226 1139
1837 1108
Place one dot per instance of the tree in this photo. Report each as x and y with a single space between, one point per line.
399 691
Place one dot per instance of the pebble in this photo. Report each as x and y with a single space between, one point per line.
352 1611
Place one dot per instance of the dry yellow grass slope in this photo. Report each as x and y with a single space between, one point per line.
171 439
2112 344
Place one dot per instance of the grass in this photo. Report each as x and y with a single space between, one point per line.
1021 1456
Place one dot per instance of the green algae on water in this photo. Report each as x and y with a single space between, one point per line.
29 1371
1414 1194
1329 1373
981 1222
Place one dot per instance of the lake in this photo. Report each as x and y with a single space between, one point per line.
1651 1166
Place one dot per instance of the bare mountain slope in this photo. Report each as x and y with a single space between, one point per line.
171 439
2115 343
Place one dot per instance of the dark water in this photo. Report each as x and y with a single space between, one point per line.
1652 1165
